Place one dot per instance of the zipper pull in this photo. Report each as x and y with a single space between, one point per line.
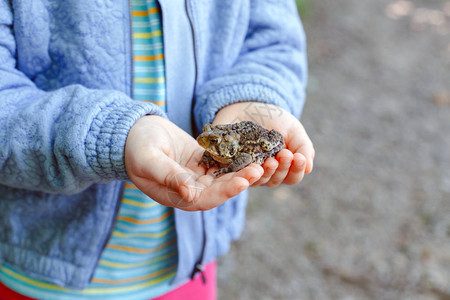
199 268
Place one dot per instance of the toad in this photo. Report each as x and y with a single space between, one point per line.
234 146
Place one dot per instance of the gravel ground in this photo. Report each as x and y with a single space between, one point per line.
373 219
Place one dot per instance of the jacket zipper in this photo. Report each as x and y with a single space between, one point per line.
195 132
199 267
130 13
189 14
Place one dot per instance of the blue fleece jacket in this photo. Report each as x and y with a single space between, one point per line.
66 108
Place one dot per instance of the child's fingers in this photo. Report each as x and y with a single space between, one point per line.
219 189
308 153
219 192
270 166
284 158
297 170
252 173
204 194
299 142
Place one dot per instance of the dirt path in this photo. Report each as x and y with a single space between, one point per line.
373 220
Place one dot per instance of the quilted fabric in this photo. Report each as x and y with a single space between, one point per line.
65 114
65 111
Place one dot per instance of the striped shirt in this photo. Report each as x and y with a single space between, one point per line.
140 259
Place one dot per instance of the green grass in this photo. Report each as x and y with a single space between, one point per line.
304 7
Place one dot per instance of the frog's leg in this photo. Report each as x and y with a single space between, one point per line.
241 161
263 156
208 160
277 149
268 140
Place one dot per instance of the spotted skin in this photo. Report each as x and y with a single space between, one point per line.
232 147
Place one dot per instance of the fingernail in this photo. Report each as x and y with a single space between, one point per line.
242 188
261 170
311 164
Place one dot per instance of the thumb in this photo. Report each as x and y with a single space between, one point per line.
163 170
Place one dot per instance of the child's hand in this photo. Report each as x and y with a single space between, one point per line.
292 163
162 161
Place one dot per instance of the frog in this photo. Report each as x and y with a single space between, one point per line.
232 147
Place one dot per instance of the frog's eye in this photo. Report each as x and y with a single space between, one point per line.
214 140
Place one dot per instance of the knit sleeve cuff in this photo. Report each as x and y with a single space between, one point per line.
213 98
105 143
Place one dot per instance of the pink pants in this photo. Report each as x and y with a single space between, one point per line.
194 289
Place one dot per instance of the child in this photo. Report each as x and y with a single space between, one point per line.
97 93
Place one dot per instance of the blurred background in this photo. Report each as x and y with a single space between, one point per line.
373 219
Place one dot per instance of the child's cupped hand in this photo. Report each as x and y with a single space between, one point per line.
290 164
162 161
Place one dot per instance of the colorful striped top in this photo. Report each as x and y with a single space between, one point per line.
140 259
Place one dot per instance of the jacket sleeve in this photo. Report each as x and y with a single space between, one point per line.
62 140
271 67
